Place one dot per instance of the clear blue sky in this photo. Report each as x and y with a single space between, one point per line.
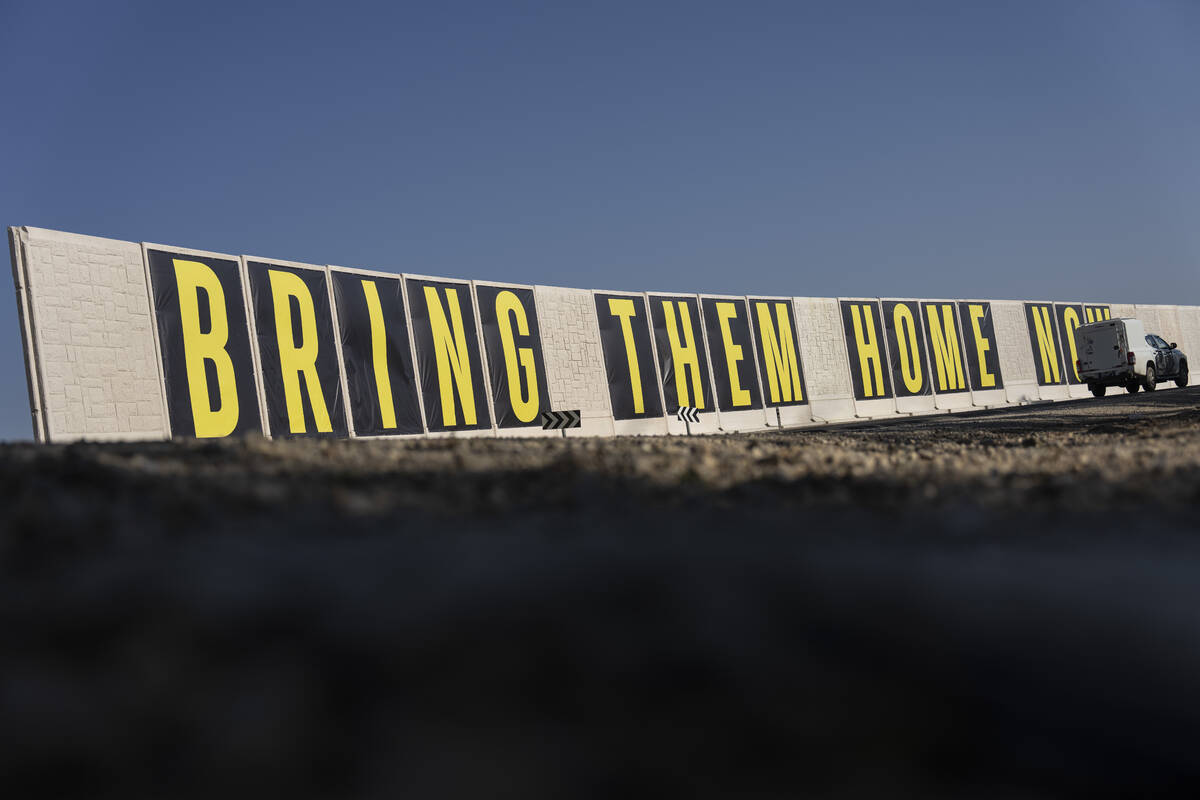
1001 150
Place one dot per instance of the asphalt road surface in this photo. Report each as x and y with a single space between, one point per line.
1003 604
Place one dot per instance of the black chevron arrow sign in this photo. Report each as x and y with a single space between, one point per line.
558 420
688 414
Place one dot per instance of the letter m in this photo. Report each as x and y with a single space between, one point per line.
779 354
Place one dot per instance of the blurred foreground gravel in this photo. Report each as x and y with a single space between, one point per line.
997 605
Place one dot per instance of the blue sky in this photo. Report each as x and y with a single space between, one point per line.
999 150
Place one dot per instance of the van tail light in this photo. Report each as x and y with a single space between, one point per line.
1131 359
1078 365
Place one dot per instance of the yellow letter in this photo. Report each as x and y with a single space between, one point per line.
982 345
946 350
868 351
379 345
453 359
191 277
294 360
779 354
733 354
910 350
622 308
1071 322
1090 313
524 406
1045 338
684 355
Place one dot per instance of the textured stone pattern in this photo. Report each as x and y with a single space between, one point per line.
1189 339
822 348
1012 342
1168 324
1122 310
94 337
571 346
1149 317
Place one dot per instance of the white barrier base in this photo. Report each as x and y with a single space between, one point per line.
513 433
1061 392
922 404
839 409
874 409
709 423
789 416
654 426
752 420
592 426
989 398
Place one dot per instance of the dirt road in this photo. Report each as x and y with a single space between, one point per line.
994 605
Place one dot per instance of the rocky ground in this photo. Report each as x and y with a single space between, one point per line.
999 605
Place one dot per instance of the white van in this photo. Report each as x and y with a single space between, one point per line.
1119 352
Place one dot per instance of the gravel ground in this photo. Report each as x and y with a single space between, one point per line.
1002 604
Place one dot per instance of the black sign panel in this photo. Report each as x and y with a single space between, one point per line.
731 348
205 343
779 366
296 350
682 359
861 323
380 380
1096 313
1047 358
906 348
449 361
628 357
979 340
1068 317
514 355
947 361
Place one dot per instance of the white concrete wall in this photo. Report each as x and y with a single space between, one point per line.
1016 356
982 398
1149 316
93 367
1189 340
90 353
710 418
574 358
920 404
873 408
783 416
948 401
826 364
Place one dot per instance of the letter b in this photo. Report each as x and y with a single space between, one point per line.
191 278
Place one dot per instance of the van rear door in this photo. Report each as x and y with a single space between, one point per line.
1100 346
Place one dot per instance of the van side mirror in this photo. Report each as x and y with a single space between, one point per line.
1174 345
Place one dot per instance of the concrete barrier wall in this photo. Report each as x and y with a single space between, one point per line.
908 356
1016 356
574 358
124 341
1189 342
92 367
978 321
945 341
826 365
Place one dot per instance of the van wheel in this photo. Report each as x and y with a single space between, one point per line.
1181 380
1151 378
1132 387
1098 389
